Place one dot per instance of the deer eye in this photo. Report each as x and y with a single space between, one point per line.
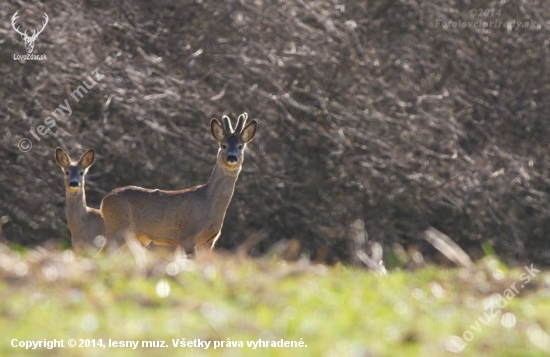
81 173
224 146
67 173
240 147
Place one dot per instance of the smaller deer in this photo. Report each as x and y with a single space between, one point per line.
85 223
191 218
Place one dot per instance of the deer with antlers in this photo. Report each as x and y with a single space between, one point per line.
191 218
29 40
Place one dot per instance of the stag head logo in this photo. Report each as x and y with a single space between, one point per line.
29 40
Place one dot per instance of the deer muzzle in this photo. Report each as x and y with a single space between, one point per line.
73 184
232 159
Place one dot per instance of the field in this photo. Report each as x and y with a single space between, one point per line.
333 310
413 133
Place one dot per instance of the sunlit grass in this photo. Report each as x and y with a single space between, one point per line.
335 311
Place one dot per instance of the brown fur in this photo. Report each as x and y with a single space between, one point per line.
85 223
191 218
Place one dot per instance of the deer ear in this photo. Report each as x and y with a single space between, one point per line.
217 130
87 159
249 131
63 159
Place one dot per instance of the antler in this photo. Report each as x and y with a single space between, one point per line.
227 124
34 33
15 17
240 122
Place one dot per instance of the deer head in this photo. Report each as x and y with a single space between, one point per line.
233 142
29 40
74 171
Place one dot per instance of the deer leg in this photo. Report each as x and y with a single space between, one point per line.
186 246
208 244
115 238
117 226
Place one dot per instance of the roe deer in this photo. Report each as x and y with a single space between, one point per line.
191 218
85 223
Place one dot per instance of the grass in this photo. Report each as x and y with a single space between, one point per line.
335 311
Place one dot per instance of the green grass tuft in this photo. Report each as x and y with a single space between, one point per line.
335 311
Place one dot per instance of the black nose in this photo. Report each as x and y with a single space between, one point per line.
232 158
73 184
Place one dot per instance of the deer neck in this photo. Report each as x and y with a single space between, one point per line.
220 189
75 207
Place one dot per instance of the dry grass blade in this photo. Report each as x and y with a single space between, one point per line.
447 247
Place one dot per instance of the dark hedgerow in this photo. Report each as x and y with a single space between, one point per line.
400 114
